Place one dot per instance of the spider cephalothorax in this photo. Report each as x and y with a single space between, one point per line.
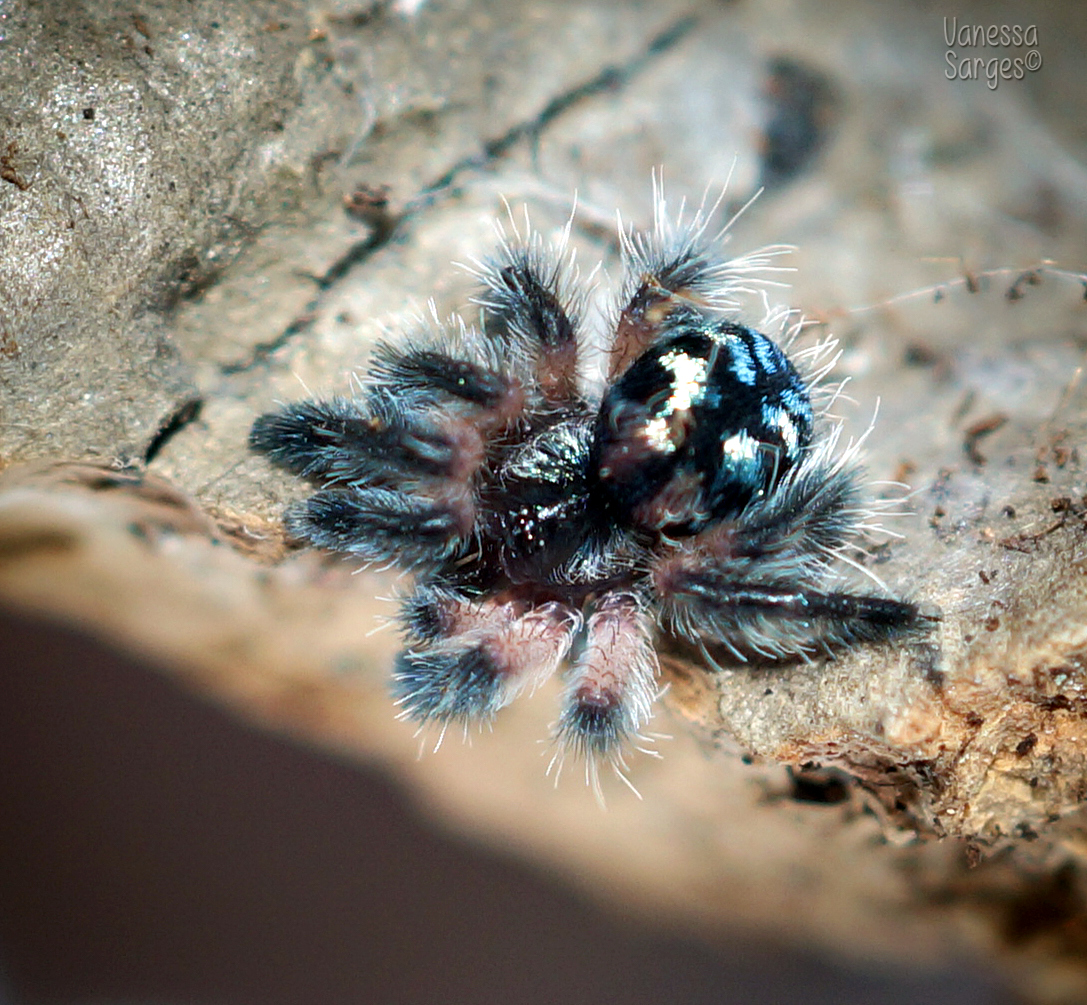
556 524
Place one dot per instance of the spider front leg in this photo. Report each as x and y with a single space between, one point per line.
382 526
468 657
677 265
375 441
529 313
399 481
474 384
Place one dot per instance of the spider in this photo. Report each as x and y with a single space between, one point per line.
553 523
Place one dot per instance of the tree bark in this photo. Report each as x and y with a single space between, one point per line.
177 256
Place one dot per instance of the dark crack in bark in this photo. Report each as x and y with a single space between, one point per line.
610 78
186 412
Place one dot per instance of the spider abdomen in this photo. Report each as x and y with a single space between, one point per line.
709 417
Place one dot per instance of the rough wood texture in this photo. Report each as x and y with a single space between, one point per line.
175 263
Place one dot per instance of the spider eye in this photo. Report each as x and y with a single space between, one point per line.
703 422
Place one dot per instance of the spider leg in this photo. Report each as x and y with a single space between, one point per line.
311 438
811 516
677 262
380 525
373 441
470 657
423 375
666 268
641 320
751 619
610 690
527 310
399 482
759 586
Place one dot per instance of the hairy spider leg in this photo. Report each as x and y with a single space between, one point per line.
468 657
478 388
382 526
753 620
528 310
611 686
370 441
398 474
759 586
671 266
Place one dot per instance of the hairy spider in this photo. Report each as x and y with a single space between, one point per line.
556 523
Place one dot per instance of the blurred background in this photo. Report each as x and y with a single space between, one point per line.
153 849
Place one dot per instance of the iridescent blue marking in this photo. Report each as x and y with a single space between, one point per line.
795 402
768 354
771 416
742 365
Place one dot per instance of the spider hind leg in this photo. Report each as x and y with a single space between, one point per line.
771 623
763 586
